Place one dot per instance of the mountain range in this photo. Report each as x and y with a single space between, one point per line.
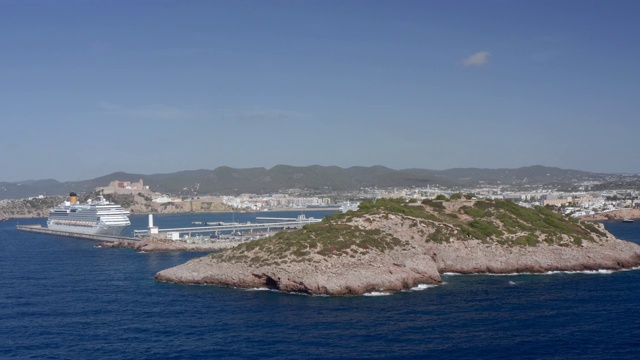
225 180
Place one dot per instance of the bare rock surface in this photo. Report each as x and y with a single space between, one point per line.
339 276
158 245
395 246
153 245
615 215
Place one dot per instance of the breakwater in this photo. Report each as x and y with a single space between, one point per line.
96 237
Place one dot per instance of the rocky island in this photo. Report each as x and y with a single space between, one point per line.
391 245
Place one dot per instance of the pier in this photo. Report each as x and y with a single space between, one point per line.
271 224
223 231
103 238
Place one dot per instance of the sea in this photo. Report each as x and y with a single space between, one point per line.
64 298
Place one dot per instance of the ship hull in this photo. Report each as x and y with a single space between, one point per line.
93 230
94 218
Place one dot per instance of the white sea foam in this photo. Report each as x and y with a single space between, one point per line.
422 287
512 283
275 290
377 293
509 274
633 268
596 272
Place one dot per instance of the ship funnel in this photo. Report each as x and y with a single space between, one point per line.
73 197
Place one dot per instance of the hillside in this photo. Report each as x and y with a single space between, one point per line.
230 181
389 245
136 204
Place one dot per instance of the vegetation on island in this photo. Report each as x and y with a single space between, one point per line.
31 207
438 221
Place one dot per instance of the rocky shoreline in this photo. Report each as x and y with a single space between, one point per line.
160 245
414 252
397 272
614 215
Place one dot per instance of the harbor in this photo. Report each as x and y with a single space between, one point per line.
219 235
264 226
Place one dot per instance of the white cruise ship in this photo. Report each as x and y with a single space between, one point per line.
95 217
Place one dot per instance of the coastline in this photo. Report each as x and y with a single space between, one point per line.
391 251
614 215
44 214
403 270
163 245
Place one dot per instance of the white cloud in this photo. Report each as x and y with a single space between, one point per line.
154 111
269 115
478 59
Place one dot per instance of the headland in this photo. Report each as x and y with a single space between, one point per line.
393 245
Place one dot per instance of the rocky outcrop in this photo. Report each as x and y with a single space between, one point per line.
385 272
391 247
615 215
153 245
158 245
478 258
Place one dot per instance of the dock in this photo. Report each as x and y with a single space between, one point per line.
103 238
272 224
223 231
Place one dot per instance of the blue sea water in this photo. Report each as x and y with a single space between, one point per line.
66 298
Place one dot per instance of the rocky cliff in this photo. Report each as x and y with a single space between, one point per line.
390 245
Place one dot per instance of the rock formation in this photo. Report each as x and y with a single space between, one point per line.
615 215
390 245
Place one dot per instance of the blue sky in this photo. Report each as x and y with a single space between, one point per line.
93 87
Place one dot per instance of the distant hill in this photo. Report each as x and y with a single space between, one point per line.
531 175
229 181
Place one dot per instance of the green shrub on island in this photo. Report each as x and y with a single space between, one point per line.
325 238
490 221
472 211
435 205
526 240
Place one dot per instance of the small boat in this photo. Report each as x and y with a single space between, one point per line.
627 220
196 222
